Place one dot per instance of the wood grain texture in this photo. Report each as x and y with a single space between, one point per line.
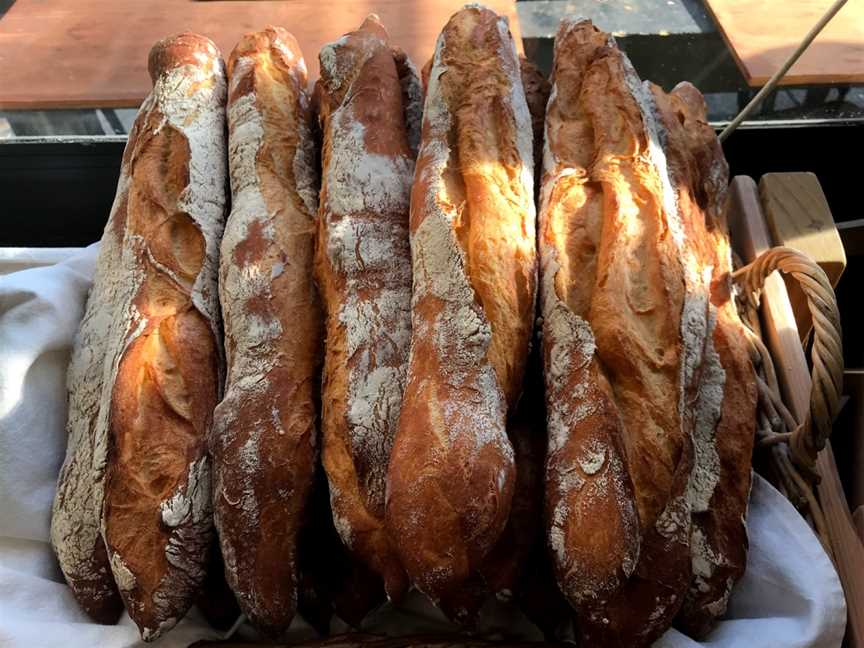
750 238
851 442
762 35
56 54
797 212
781 335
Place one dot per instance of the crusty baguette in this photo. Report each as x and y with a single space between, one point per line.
451 474
77 512
720 484
264 438
628 293
590 508
164 364
363 268
158 250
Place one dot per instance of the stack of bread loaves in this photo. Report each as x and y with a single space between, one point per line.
395 307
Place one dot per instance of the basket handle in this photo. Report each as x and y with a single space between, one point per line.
826 354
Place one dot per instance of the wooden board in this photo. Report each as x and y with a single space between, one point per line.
60 54
853 386
762 35
751 238
797 212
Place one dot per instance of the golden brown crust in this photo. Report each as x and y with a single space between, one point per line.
623 287
590 510
156 512
177 50
164 394
363 268
451 474
719 540
264 441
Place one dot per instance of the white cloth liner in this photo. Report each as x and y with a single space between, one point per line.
13 259
789 597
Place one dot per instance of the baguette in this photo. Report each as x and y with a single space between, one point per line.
363 268
133 501
264 440
593 526
725 445
631 370
162 357
77 509
451 476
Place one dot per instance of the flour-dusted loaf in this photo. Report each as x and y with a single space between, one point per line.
593 528
720 483
368 98
133 497
264 439
163 368
451 476
77 512
634 381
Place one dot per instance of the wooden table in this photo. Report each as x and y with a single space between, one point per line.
61 54
762 35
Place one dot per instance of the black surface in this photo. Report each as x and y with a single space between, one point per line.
832 152
56 194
